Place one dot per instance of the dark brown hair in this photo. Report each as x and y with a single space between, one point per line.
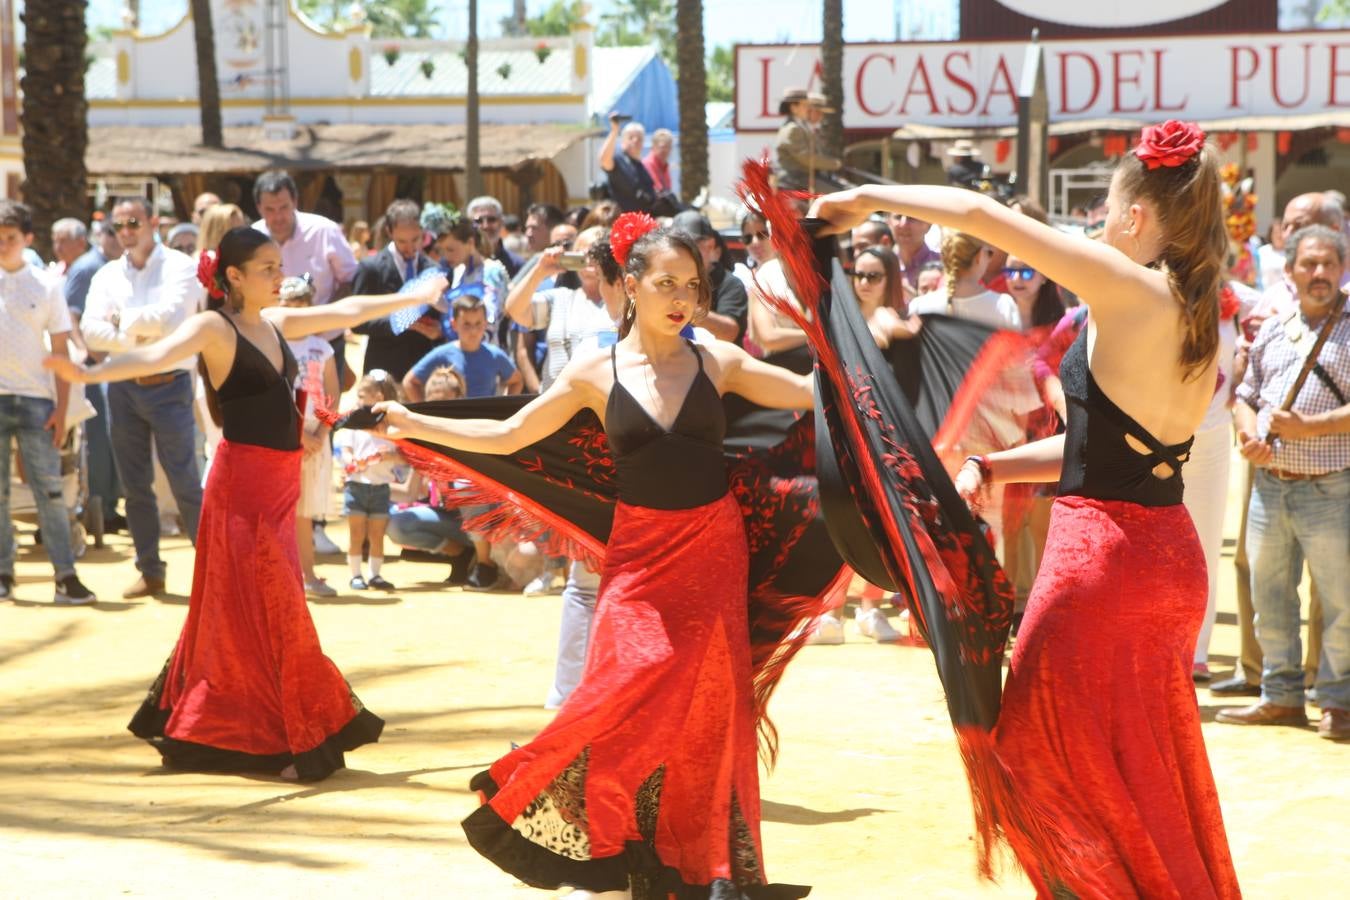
890 263
1188 201
236 248
639 257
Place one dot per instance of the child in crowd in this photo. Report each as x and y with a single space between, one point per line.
318 378
486 368
371 464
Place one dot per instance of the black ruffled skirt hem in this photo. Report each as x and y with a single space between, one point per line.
310 765
637 868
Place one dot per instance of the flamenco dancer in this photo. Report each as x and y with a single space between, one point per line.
248 689
1099 727
647 779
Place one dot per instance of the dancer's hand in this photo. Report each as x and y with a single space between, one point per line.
969 483
397 421
1257 451
842 210
66 369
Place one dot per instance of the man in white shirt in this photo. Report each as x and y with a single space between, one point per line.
310 244
32 402
135 300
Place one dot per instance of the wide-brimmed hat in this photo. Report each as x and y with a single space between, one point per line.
963 147
819 101
791 96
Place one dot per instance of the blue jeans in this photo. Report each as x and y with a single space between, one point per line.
1288 522
98 451
162 412
426 528
369 500
22 418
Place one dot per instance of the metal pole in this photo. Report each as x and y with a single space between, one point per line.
473 175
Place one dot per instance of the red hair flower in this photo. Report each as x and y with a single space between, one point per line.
1228 302
1170 144
628 228
207 264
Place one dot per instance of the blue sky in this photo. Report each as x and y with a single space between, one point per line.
724 20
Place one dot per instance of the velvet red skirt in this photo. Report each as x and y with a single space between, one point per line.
1099 725
248 687
648 776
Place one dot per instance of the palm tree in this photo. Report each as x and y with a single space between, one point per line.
473 173
208 87
832 63
693 97
55 114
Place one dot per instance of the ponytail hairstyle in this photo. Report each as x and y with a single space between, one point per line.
1177 173
237 247
959 252
637 258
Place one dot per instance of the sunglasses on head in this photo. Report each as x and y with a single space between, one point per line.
869 277
132 224
1024 273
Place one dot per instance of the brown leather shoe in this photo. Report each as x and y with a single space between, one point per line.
145 586
1335 725
1263 713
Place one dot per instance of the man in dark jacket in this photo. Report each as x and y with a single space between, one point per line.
384 273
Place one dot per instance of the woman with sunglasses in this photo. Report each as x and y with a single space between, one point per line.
1037 297
964 261
759 251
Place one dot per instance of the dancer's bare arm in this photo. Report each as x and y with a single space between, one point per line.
193 336
1083 266
760 382
1039 461
539 418
298 322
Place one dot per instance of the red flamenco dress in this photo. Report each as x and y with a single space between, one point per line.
1099 724
248 688
648 776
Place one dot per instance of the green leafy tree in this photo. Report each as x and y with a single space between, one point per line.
387 18
638 22
722 75
557 19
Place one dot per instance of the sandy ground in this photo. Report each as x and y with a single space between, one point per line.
867 801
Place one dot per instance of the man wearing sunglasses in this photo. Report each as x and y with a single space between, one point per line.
134 300
486 214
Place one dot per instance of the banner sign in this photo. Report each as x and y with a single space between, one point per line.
964 84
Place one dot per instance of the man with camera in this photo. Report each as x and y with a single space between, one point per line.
630 184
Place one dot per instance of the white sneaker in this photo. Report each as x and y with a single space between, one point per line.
547 583
874 624
323 545
317 587
826 629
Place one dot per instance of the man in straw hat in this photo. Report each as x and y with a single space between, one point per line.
965 170
799 157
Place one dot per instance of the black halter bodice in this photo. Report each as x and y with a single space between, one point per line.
1098 462
677 469
256 401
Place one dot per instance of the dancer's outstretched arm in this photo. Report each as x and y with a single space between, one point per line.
1083 266
535 421
1039 461
298 322
189 338
759 382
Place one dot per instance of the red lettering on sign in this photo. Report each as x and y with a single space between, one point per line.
817 74
858 83
960 83
764 62
1001 73
1336 75
1275 75
920 72
1119 77
1159 105
1236 76
1064 81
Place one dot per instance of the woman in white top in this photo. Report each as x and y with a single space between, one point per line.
964 260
